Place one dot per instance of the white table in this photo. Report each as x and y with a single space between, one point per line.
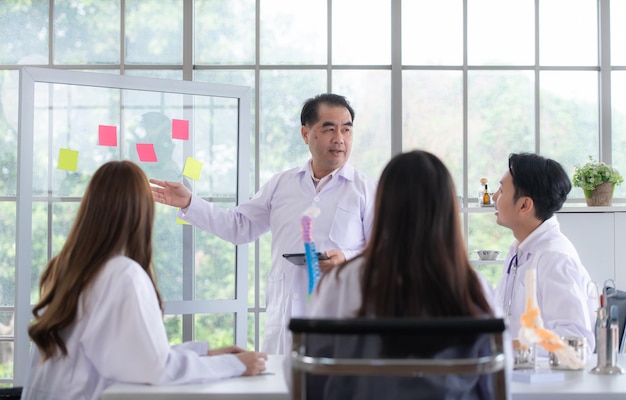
269 386
578 385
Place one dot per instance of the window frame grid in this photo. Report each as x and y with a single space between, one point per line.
604 70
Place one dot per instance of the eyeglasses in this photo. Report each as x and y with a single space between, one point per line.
508 297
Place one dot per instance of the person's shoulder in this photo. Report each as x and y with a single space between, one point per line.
290 171
337 295
286 174
365 177
554 242
348 269
548 238
119 279
358 177
557 254
123 268
122 262
351 269
355 263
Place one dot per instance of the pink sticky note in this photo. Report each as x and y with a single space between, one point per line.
146 153
180 129
107 135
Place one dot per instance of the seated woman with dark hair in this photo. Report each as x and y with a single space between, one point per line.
414 266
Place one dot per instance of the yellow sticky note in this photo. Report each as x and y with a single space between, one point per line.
68 160
192 168
182 221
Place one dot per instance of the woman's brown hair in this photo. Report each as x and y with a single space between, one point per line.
115 217
416 262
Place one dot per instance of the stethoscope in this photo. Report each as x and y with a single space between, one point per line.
508 300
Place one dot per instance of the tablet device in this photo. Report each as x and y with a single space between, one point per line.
300 259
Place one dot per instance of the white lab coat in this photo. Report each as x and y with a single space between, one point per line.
119 336
345 222
341 298
566 296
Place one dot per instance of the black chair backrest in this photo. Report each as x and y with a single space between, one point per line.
14 393
462 325
392 358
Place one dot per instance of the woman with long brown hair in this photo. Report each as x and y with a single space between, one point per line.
99 317
414 266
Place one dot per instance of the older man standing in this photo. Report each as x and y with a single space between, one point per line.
344 196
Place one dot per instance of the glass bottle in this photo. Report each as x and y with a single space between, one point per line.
486 196
483 193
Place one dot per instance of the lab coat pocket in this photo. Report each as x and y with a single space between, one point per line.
347 228
274 298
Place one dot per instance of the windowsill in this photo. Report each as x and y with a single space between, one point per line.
486 262
576 207
616 207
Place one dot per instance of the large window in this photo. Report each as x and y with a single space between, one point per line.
470 80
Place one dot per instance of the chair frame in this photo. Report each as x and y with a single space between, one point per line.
614 296
495 363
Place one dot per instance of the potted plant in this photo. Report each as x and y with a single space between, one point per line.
598 180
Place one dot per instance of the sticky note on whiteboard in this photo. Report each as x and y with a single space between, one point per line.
192 168
146 153
180 129
107 135
68 160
